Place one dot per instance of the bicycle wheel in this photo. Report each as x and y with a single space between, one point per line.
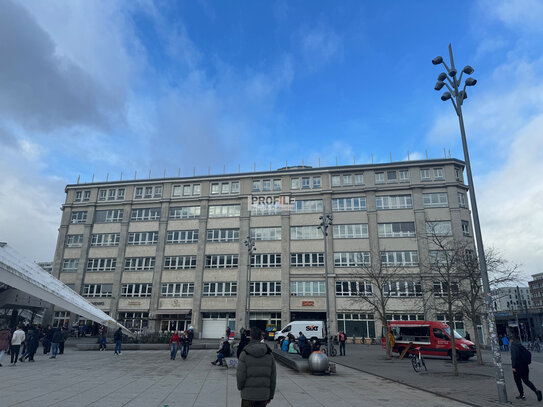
333 351
324 350
417 367
423 364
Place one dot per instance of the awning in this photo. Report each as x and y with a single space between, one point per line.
27 276
172 311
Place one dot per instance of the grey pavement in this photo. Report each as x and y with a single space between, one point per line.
150 379
475 384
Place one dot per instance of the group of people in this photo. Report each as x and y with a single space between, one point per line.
23 342
305 347
181 341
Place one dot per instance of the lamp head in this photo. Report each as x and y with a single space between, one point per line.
437 60
442 76
468 70
452 72
439 85
471 81
445 96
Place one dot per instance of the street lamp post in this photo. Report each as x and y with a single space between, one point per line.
453 84
250 250
326 220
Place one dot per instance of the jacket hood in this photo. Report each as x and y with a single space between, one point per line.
256 349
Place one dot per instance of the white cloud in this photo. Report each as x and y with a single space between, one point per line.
320 45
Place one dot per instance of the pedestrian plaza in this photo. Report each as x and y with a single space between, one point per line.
151 379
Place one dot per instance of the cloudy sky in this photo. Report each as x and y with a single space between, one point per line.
104 87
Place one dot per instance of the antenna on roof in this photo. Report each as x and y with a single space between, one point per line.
92 178
270 166
179 172
390 156
372 158
445 152
303 162
135 173
224 169
254 166
164 172
426 153
239 168
78 178
208 170
354 160
121 176
449 153
408 156
319 162
336 160
286 164
149 174
107 177
193 171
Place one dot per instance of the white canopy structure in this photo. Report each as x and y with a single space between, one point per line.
27 276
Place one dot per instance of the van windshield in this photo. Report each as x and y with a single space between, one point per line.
456 334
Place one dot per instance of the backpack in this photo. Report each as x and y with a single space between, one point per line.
525 356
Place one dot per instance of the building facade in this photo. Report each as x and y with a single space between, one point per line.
160 254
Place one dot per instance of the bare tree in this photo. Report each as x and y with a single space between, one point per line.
500 272
373 287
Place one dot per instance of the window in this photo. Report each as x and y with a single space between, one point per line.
439 228
82 196
186 212
435 200
97 290
295 183
139 263
379 177
101 265
256 186
148 192
403 289
349 204
265 209
314 182
177 290
111 194
266 185
396 229
439 258
313 206
317 182
458 174
79 217
392 176
277 185
136 290
355 231
145 214
405 317
135 321
105 239
223 235
273 233
306 182
465 227
358 325
109 216
394 202
307 288
353 289
307 259
409 258
142 238
182 236
461 200
441 288
221 261
74 240
404 176
265 260
221 211
70 265
220 289
336 180
347 180
305 233
425 174
179 262
215 189
351 259
265 288
438 174
186 190
61 318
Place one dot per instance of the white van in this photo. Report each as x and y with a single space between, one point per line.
311 329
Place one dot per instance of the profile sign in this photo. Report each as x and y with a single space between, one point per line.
273 203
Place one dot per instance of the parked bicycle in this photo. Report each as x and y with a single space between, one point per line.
418 361
534 346
333 351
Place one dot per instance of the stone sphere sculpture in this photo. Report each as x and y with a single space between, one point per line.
318 362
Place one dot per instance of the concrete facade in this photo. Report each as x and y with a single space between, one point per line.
121 242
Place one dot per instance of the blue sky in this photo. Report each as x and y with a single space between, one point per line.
109 87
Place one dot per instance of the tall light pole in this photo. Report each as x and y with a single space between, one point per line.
326 220
454 84
250 250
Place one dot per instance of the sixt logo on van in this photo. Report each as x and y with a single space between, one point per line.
311 328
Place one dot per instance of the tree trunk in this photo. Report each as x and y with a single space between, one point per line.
453 347
478 345
389 350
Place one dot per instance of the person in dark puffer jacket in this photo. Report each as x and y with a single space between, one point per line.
256 374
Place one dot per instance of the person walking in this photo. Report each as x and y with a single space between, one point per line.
16 340
55 342
342 338
174 345
63 337
103 338
5 339
190 335
184 345
47 338
244 341
32 343
256 374
118 338
505 342
520 359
